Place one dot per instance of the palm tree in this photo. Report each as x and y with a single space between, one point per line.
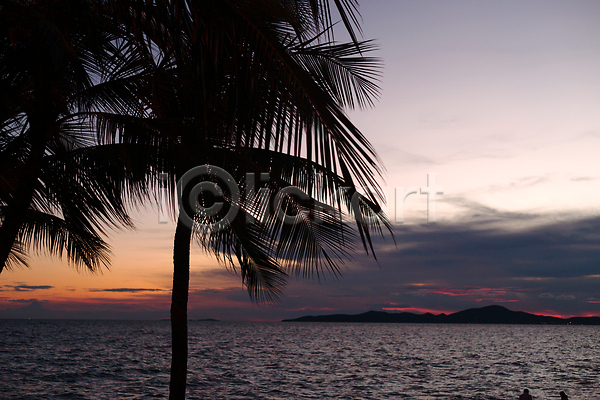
260 87
62 72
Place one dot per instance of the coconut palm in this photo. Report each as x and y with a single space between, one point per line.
64 66
260 87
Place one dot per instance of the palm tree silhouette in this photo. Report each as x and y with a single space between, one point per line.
260 87
62 76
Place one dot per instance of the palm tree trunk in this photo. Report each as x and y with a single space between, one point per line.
19 204
179 300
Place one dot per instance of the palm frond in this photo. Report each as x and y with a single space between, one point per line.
244 246
344 71
314 239
17 257
51 235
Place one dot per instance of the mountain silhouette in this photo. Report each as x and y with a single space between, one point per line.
484 315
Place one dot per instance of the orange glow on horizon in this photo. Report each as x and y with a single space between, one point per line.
552 313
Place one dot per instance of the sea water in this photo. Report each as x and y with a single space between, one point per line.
58 359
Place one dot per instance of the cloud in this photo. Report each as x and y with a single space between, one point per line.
127 290
23 288
472 291
28 301
565 297
438 267
554 250
523 183
482 213
473 263
583 178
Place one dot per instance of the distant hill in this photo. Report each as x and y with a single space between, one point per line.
483 315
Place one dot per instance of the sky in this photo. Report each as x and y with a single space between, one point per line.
501 101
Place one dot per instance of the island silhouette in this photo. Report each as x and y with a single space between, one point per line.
485 315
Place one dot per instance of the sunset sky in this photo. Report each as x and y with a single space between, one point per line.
501 100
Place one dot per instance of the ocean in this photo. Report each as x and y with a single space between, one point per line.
78 359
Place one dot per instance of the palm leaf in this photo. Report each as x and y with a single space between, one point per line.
50 235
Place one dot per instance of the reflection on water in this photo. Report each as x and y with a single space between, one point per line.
130 360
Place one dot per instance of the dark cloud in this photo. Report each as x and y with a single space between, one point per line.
28 301
550 265
208 292
208 273
565 297
23 288
560 249
127 290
